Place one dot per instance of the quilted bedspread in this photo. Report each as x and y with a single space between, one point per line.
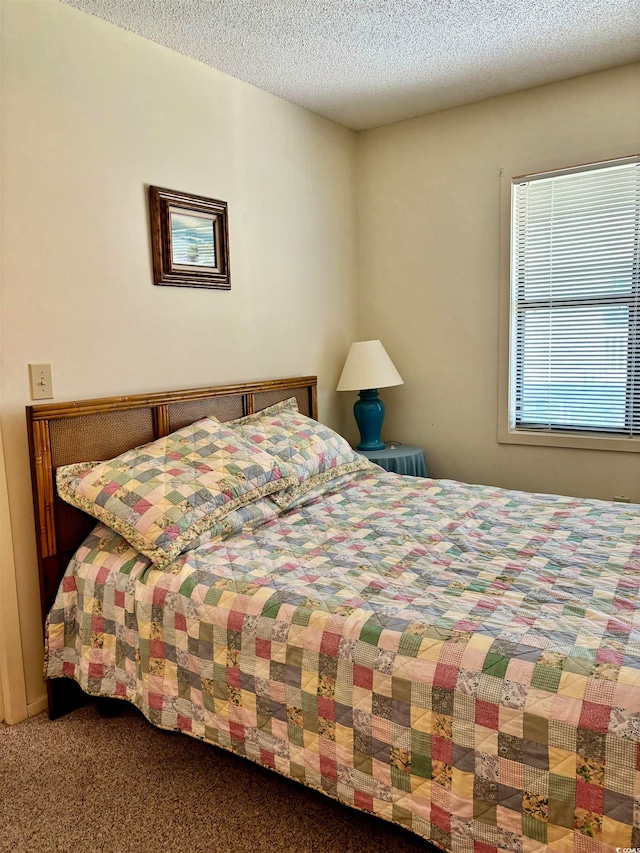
460 659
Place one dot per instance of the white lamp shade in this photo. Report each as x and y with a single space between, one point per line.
368 366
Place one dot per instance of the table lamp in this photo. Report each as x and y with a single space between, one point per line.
367 368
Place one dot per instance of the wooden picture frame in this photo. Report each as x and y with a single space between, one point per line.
189 240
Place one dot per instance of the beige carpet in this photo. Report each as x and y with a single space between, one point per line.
87 784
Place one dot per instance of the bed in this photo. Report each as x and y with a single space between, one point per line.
461 660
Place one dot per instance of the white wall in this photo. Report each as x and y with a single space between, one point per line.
92 114
429 270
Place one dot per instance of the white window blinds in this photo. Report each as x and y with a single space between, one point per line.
575 290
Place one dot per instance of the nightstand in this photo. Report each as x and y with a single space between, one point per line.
399 458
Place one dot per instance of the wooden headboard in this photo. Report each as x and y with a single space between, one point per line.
92 430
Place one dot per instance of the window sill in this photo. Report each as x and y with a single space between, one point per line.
591 441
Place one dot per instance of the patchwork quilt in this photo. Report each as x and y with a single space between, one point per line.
462 660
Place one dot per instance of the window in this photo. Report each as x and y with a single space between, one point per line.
575 301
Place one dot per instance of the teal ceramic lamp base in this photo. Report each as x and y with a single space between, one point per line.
369 414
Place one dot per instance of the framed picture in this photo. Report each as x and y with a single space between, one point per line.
189 240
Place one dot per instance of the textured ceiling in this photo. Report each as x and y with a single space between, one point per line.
365 63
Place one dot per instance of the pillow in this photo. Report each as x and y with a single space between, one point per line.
104 546
164 494
244 518
330 488
290 404
314 452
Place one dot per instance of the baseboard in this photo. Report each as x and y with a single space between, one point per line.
38 706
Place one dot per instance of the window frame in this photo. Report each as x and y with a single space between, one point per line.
507 431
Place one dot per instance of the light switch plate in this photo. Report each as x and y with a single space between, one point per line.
40 378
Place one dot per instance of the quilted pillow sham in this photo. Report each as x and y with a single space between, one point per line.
164 494
314 452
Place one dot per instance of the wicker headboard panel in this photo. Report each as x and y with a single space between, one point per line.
88 430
